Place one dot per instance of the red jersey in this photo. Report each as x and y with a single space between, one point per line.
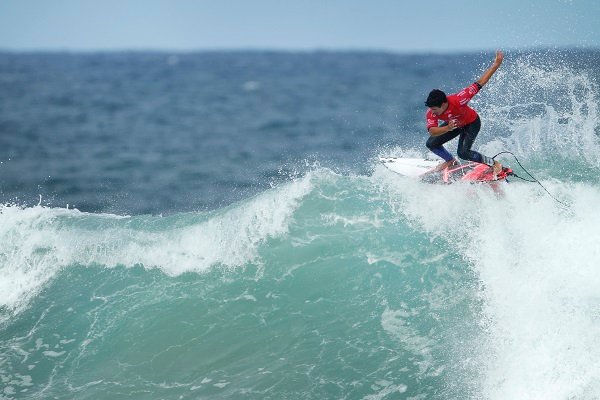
457 108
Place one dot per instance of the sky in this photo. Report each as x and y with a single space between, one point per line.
389 25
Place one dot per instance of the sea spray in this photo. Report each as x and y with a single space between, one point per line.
539 110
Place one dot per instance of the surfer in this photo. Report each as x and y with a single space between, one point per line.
458 119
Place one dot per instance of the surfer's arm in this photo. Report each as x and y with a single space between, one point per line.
440 130
433 126
491 70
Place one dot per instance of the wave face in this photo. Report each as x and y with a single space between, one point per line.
331 283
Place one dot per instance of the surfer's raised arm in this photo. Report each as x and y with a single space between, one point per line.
491 70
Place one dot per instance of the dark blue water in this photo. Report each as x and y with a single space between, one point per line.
217 225
151 133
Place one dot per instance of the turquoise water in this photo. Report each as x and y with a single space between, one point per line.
328 286
328 283
331 295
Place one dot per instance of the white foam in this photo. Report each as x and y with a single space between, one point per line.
539 268
395 323
538 265
36 242
385 389
54 353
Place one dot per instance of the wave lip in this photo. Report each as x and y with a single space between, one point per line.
37 242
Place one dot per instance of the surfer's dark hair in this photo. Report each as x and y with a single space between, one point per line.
436 98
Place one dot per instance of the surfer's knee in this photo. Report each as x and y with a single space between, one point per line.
465 154
431 143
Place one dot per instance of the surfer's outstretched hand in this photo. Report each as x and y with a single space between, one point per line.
499 57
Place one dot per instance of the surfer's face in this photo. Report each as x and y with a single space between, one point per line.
439 110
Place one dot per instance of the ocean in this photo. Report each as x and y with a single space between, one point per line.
217 225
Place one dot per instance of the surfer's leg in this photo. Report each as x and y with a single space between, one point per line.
442 153
468 135
436 144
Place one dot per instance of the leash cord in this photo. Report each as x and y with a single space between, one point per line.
533 178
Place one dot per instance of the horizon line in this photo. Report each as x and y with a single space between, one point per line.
267 49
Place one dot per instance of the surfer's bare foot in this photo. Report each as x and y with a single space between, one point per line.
446 164
497 167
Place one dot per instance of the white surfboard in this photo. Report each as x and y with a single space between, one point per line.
409 166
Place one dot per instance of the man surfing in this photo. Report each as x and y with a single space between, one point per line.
458 120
